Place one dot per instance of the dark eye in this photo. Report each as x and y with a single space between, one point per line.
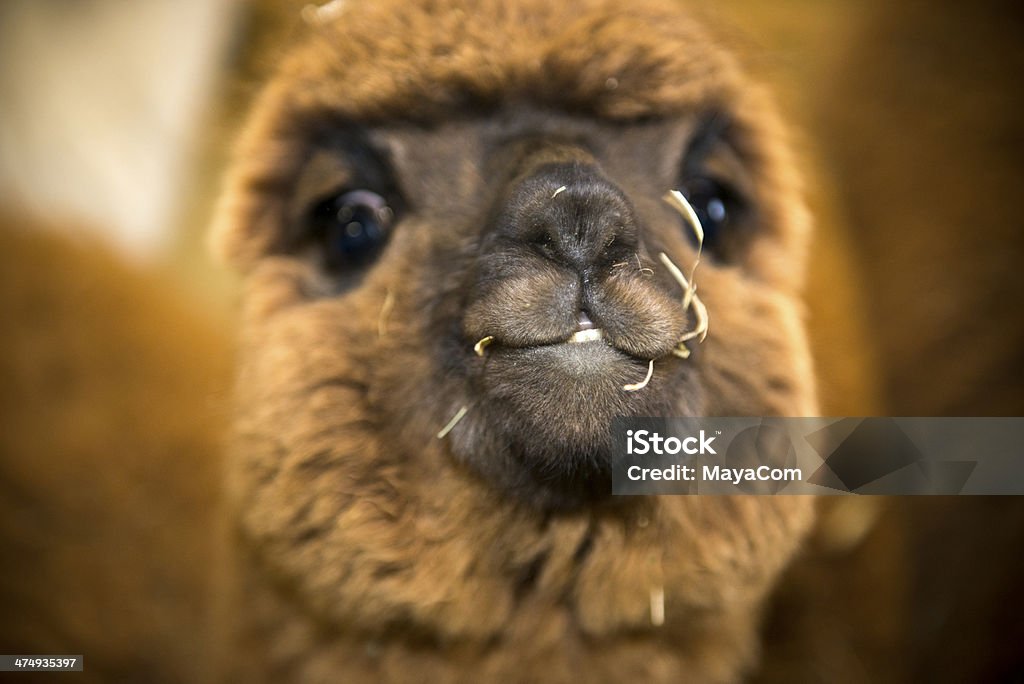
353 228
717 206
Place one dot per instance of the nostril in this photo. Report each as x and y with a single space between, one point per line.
540 234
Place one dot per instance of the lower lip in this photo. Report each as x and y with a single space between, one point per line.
591 358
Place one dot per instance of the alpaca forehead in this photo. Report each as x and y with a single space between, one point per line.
423 60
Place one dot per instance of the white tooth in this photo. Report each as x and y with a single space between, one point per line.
587 335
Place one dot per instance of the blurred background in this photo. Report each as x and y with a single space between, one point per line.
115 122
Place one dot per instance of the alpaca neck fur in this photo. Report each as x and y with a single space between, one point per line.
460 583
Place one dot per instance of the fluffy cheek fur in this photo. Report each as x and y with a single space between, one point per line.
756 358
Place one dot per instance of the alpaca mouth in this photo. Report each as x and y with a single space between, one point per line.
547 384
550 405
586 363
582 345
586 331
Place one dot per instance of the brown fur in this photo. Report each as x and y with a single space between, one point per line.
113 411
370 548
110 487
918 141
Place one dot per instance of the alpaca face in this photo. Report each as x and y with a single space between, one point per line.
459 193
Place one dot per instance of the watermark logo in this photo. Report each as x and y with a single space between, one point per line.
642 442
818 456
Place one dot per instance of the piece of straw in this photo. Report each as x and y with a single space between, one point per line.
690 298
643 383
692 301
701 330
452 423
683 206
561 189
657 606
482 344
641 268
315 15
675 272
385 311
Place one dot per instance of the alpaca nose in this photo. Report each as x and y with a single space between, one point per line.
570 212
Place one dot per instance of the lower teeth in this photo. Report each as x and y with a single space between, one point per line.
587 335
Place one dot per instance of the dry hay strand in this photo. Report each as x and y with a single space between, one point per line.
482 344
690 299
643 383
452 423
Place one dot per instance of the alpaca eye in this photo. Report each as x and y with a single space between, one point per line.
717 206
353 227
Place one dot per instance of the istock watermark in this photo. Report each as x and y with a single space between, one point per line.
818 456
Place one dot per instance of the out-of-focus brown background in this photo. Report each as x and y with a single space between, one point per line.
115 119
